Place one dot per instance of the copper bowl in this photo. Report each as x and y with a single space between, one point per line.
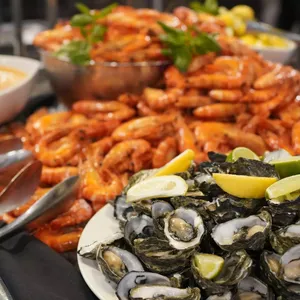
101 80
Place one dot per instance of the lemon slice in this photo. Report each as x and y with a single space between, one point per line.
157 187
243 186
283 187
287 167
209 265
180 163
236 153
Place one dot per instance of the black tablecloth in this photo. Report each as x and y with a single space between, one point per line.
33 271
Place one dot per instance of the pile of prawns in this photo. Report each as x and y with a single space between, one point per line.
233 98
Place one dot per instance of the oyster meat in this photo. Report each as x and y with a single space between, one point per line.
183 228
151 286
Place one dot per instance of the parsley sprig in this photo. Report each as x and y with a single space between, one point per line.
181 46
78 51
209 6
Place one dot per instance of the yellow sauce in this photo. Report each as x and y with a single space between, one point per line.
10 77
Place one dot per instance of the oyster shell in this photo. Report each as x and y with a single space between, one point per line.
148 286
244 233
237 266
160 257
225 207
225 296
271 271
290 265
285 238
183 228
115 263
138 227
123 211
251 288
159 211
143 207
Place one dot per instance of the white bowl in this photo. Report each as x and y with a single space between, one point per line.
278 55
14 98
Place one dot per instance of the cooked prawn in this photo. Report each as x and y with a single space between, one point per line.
150 128
174 78
165 151
79 213
219 110
296 137
53 176
59 240
128 156
226 95
104 111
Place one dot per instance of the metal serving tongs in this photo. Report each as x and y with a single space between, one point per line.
254 26
56 201
12 159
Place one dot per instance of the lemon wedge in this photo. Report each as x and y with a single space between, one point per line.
209 265
178 164
243 186
157 187
239 152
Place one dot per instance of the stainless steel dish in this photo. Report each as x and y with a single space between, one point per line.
101 80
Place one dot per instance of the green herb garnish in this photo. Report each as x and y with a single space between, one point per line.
181 46
209 6
78 52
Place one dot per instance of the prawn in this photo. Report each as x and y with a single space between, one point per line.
186 15
57 147
53 176
174 78
165 151
219 110
158 99
80 212
266 107
200 61
128 156
290 114
144 110
149 128
261 95
104 111
237 72
98 185
296 137
35 197
130 100
226 95
59 240
192 101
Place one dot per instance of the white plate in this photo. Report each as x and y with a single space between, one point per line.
101 228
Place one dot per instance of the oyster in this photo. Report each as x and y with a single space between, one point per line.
225 207
159 256
216 157
285 238
271 270
237 266
251 288
183 228
196 203
115 263
138 177
143 207
148 286
159 212
244 233
123 210
290 265
225 296
138 227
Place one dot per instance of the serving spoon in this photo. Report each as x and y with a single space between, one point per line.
21 187
56 201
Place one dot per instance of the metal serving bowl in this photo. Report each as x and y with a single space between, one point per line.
101 80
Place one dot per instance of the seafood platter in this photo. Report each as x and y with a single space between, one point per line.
194 168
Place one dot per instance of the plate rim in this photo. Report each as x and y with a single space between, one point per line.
80 258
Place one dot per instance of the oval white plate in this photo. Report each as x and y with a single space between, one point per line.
101 228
